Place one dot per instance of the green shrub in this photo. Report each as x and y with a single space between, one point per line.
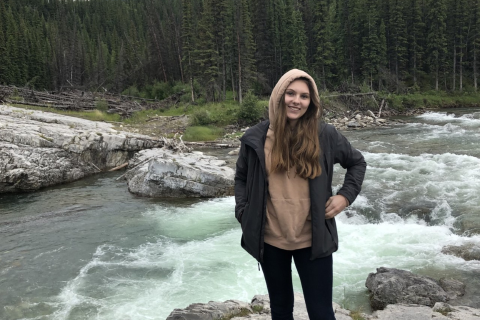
249 112
201 118
131 91
101 105
199 133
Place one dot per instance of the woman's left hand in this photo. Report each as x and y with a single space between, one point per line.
335 205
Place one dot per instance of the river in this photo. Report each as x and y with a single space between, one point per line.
91 250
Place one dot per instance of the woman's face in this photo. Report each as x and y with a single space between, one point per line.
297 100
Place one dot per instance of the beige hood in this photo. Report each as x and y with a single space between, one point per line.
281 86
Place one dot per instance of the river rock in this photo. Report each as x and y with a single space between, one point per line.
354 124
391 286
162 173
468 251
258 309
40 149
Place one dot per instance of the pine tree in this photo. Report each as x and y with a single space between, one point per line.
382 52
475 40
436 38
370 42
324 48
245 49
206 53
188 44
3 45
298 42
415 36
399 40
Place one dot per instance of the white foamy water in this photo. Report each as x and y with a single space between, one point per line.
471 119
149 281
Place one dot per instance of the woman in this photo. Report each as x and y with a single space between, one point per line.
284 198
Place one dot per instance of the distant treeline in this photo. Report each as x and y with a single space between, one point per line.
220 46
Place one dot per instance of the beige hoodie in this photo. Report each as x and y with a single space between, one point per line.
288 222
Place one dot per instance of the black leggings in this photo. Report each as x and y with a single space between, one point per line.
316 277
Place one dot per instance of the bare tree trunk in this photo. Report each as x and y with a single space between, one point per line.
233 83
461 71
475 65
415 68
239 71
454 66
224 74
177 43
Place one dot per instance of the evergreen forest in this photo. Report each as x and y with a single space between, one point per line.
220 48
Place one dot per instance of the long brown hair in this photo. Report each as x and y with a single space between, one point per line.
299 146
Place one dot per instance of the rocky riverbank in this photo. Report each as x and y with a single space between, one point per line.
40 149
395 295
259 309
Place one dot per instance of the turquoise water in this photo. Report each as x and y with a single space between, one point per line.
91 250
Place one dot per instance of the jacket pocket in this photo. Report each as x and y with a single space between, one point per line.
332 230
243 215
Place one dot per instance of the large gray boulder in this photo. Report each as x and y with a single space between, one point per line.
391 286
163 173
40 149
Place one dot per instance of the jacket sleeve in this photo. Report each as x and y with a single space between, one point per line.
352 160
241 182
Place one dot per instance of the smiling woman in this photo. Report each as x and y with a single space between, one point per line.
284 199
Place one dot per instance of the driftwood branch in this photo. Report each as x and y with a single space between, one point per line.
143 162
380 110
119 167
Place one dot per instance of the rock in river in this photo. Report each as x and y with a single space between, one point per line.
163 173
468 251
391 286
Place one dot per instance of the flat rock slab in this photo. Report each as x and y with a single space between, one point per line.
403 312
40 149
162 173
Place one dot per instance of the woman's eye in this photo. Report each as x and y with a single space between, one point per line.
304 97
290 93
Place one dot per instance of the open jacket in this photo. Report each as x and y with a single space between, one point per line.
251 188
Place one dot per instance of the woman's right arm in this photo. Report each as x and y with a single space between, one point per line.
241 182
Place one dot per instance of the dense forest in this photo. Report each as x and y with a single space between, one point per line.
220 47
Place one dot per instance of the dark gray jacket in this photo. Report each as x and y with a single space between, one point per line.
251 187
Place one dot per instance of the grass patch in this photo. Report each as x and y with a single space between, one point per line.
356 315
257 308
199 133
